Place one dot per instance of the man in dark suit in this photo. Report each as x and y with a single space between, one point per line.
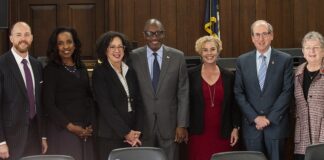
163 81
20 112
263 90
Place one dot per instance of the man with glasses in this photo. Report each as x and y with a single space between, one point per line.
263 90
163 80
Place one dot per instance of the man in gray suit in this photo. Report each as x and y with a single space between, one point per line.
21 128
163 81
263 90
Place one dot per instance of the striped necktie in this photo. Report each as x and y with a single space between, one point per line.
262 70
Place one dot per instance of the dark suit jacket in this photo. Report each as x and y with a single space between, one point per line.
168 108
114 119
14 105
272 101
230 115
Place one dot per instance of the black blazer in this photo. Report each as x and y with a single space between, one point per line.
230 112
14 105
114 119
66 97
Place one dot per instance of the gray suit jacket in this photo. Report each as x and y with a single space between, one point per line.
14 105
169 106
272 101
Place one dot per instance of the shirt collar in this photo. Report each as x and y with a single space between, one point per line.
124 68
150 51
17 57
267 53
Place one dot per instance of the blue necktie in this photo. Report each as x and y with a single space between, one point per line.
30 89
156 72
262 70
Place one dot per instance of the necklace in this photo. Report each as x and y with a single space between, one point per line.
212 96
71 69
312 75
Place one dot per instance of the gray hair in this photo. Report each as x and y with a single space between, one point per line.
313 35
261 22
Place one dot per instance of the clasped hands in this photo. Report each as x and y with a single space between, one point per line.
132 138
83 133
261 122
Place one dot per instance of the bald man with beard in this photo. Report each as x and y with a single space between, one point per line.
21 128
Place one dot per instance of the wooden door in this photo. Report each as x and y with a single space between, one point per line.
44 16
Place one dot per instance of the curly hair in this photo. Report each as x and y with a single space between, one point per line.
52 48
202 40
105 39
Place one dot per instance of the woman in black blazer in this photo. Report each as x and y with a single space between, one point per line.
214 117
67 97
117 95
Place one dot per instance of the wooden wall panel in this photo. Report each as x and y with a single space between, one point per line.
169 19
141 14
300 20
40 14
194 25
181 28
287 25
127 17
226 27
235 37
307 17
4 40
155 8
183 20
247 16
85 26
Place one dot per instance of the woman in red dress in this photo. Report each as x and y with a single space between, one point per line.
214 117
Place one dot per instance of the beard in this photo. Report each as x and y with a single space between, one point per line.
22 48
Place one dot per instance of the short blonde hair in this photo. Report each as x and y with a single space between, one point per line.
202 40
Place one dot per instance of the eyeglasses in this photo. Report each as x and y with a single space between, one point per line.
310 49
259 35
151 34
114 48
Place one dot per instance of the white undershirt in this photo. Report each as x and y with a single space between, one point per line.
122 78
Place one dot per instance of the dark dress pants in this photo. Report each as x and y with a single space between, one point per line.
33 145
272 148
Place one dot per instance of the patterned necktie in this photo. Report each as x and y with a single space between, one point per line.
30 89
156 72
262 70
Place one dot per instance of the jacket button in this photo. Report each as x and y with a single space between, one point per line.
310 96
261 111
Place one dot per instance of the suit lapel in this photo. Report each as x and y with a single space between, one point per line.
16 72
254 69
164 67
37 78
145 68
270 69
115 79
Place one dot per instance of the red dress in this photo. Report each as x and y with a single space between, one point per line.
202 146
